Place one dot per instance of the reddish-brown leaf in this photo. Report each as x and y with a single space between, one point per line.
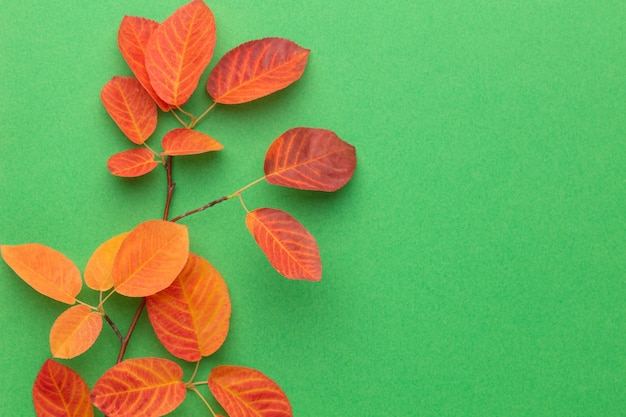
131 107
289 247
58 391
310 159
132 163
132 38
179 50
188 142
246 392
74 331
150 258
45 269
143 387
98 269
191 316
255 69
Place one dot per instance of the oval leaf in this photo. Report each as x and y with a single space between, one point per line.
150 258
188 142
74 331
246 392
132 38
46 270
179 50
143 387
255 69
191 316
289 247
59 391
131 107
132 163
98 268
310 159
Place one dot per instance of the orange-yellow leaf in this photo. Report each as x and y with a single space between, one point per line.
74 331
98 268
150 258
179 50
60 392
191 316
188 142
45 269
246 392
132 38
255 69
132 163
131 107
289 247
142 387
310 159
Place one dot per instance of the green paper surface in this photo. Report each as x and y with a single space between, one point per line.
474 266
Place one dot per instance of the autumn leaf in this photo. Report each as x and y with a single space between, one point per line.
131 107
191 316
132 38
289 247
74 331
255 69
46 270
142 387
150 258
184 141
60 392
246 392
132 163
179 50
98 269
310 159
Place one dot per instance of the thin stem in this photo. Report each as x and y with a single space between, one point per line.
195 122
131 329
241 190
242 203
154 152
192 119
114 327
170 187
199 209
203 400
181 121
195 371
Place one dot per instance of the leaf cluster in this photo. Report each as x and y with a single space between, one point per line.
186 298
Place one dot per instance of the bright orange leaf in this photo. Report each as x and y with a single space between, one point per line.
289 247
255 69
191 316
142 387
310 159
98 268
188 142
179 50
132 163
131 107
132 38
45 269
246 392
60 392
150 258
74 331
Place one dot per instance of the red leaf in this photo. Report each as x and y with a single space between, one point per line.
191 316
132 163
46 270
131 107
74 331
143 387
132 38
58 391
310 159
289 247
150 258
255 69
179 51
245 392
188 142
98 269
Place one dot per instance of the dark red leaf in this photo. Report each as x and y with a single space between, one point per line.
132 163
58 391
255 69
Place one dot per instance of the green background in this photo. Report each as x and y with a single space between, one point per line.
474 266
